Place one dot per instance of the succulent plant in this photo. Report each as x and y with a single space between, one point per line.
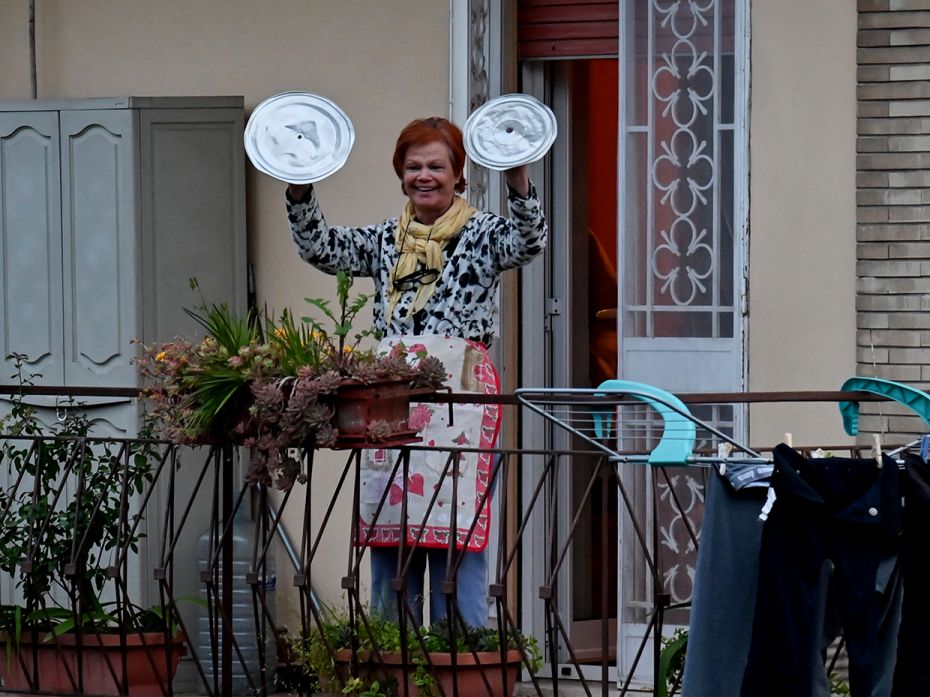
431 373
271 388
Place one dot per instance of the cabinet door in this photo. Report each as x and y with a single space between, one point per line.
193 216
30 243
100 223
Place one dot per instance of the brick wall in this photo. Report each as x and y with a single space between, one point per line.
893 204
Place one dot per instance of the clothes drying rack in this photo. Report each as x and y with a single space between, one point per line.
610 419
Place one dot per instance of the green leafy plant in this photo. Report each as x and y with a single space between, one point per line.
270 384
439 638
839 685
62 521
671 663
348 311
315 653
357 686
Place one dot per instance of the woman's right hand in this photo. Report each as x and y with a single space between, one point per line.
297 191
518 179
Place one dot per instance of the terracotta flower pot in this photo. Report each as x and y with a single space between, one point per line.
468 671
150 664
357 406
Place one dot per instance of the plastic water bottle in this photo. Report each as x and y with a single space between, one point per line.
243 611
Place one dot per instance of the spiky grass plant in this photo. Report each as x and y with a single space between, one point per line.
268 384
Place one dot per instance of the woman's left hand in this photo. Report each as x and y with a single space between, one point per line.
518 179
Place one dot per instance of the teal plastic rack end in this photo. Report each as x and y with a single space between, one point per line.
679 433
909 396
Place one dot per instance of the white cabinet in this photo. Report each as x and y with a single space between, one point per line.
108 207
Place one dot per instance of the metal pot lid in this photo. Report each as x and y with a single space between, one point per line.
509 131
298 137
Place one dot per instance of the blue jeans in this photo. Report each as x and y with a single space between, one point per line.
471 584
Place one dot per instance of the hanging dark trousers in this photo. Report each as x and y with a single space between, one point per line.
912 672
835 524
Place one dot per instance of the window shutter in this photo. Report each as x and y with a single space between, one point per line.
567 28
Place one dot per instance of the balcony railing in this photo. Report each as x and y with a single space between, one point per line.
157 551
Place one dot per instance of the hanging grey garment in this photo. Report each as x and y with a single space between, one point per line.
724 598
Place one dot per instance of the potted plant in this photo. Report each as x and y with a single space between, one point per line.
278 383
64 517
671 663
473 655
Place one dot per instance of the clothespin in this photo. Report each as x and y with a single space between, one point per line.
723 452
877 448
924 446
788 440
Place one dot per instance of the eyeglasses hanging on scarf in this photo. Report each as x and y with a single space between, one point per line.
424 245
420 277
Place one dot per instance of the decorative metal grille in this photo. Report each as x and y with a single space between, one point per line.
680 124
478 88
676 499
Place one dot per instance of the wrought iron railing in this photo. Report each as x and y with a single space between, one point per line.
141 542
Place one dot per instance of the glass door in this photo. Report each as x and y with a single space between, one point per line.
643 280
681 252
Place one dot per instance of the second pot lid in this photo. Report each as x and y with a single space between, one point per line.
509 131
298 137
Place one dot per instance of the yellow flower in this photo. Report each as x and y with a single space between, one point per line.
280 332
347 349
160 356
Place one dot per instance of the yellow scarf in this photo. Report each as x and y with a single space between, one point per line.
417 242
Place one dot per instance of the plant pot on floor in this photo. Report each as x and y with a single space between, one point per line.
468 671
151 664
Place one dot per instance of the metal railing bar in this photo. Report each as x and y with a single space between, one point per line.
544 502
537 491
279 529
150 490
567 544
562 631
637 525
580 395
168 554
330 508
671 488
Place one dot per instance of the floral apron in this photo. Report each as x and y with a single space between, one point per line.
469 369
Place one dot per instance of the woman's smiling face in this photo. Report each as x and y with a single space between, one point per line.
429 180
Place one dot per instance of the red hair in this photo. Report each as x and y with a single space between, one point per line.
431 130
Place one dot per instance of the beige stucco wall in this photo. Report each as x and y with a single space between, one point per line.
802 212
383 62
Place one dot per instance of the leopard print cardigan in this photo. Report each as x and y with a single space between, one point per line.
463 303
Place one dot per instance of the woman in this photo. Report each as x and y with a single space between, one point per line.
436 270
